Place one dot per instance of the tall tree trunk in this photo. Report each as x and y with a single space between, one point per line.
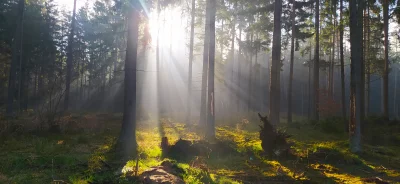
310 104
274 106
362 91
385 92
211 96
356 30
22 77
233 58
113 67
316 63
22 71
257 82
333 54
330 70
203 108
189 100
79 75
35 84
69 60
126 144
40 80
239 62
82 74
395 94
170 33
250 94
293 16
159 107
342 81
25 96
222 41
16 49
367 64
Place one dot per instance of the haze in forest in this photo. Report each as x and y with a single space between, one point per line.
202 91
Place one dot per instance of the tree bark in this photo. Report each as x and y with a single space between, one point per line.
367 64
126 144
203 108
395 94
239 76
189 100
22 69
211 96
316 64
159 107
310 104
293 16
222 41
274 105
342 81
356 30
333 55
16 49
233 57
250 93
385 92
69 60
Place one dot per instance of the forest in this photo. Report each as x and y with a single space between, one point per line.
199 91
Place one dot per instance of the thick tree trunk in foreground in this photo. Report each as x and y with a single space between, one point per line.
385 89
211 95
69 60
16 49
274 105
293 16
316 64
203 108
127 138
356 30
189 100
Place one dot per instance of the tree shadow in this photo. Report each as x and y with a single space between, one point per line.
335 166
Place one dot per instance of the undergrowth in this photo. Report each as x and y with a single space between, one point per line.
320 155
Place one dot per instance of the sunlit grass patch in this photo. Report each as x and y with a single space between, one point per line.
78 157
149 143
343 178
243 140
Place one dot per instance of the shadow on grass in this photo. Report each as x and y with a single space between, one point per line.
333 165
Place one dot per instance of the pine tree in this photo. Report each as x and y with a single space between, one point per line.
127 138
69 60
16 50
211 55
356 26
274 108
189 106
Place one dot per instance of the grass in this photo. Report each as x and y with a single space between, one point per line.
80 157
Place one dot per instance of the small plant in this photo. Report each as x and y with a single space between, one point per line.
243 124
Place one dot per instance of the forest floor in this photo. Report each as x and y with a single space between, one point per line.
83 154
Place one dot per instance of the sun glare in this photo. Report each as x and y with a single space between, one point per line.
171 27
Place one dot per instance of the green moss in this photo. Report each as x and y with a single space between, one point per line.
322 156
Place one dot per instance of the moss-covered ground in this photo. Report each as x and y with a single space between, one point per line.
84 155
